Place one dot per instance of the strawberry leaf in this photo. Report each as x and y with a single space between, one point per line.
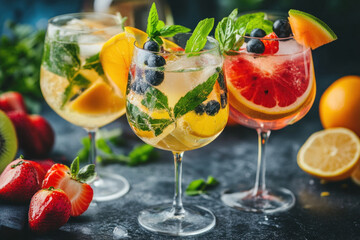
74 168
87 174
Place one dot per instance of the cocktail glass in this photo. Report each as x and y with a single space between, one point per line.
177 107
268 92
75 87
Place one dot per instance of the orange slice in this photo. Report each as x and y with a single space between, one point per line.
355 175
116 55
330 154
99 98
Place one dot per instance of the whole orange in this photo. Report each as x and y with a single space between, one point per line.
340 104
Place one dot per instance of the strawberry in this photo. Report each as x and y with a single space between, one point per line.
46 164
19 181
271 46
49 210
12 101
45 136
73 182
34 133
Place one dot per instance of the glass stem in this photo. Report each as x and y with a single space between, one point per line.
177 203
92 153
260 186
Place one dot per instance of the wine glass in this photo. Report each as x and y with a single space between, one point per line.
177 107
75 87
268 92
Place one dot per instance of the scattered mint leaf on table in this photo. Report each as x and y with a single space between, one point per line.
198 38
199 186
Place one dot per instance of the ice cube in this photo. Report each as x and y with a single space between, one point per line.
289 47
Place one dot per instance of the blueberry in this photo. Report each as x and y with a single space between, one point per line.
282 28
257 32
221 81
212 108
153 77
155 61
139 86
223 99
151 46
255 46
200 109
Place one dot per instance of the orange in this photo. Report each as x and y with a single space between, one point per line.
97 99
116 55
340 104
355 176
330 154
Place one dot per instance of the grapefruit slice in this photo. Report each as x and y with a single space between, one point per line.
268 88
330 154
308 30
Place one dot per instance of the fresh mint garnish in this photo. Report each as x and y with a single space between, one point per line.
230 30
80 81
198 38
93 62
194 97
85 175
157 28
200 186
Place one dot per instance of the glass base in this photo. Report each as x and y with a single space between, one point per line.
268 201
109 186
161 219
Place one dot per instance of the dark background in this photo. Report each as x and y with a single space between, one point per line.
339 58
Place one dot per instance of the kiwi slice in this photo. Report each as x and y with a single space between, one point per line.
8 141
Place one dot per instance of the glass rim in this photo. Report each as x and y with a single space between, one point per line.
270 39
182 53
52 21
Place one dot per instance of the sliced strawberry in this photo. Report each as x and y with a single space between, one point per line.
72 181
12 101
271 46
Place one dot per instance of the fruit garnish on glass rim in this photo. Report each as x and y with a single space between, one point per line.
307 30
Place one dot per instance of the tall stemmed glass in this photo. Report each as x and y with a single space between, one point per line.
268 92
75 87
177 107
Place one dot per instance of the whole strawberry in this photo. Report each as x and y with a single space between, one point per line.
73 182
44 135
49 210
12 101
19 182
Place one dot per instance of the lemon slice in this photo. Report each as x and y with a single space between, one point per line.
205 126
331 154
99 98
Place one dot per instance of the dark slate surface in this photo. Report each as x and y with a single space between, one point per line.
231 159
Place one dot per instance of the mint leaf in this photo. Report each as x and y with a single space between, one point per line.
61 58
199 186
80 81
263 24
160 25
93 62
137 118
225 33
170 31
194 97
155 99
198 39
158 125
141 154
103 146
153 20
121 20
233 14
246 23
87 174
75 166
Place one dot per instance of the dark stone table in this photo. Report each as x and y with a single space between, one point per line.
231 158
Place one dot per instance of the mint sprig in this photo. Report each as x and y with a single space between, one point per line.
230 30
157 28
198 38
200 186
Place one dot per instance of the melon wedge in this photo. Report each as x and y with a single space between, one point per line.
309 30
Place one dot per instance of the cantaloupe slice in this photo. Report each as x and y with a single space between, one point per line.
309 30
